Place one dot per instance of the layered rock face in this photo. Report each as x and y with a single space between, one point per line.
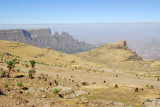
15 35
43 38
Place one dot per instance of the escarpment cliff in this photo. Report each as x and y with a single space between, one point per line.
43 38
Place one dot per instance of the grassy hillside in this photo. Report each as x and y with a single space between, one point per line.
110 53
9 49
119 56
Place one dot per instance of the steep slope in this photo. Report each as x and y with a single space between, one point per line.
15 35
43 38
146 49
26 52
65 43
110 53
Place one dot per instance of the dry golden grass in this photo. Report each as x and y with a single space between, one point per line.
113 56
110 53
125 94
119 56
26 52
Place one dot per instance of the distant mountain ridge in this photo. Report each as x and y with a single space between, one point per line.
43 38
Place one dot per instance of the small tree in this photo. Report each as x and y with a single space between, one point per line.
14 63
9 66
31 72
32 62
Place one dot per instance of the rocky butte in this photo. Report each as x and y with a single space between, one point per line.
43 38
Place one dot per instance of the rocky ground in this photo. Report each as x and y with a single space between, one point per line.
76 87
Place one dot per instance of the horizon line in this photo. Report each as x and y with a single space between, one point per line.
83 23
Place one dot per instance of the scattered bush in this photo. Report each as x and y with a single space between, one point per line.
32 62
94 71
19 84
3 73
32 71
30 75
147 86
55 91
5 85
18 70
14 60
26 65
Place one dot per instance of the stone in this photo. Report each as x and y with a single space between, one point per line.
118 104
151 87
116 86
93 82
136 90
43 96
151 102
18 103
85 83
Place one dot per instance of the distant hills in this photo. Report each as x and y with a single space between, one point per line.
43 38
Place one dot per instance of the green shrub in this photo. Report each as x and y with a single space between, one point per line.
14 60
5 85
147 86
9 63
26 65
30 75
55 91
18 70
3 73
32 71
19 84
32 62
94 70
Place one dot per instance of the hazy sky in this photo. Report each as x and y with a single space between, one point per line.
78 11
106 33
